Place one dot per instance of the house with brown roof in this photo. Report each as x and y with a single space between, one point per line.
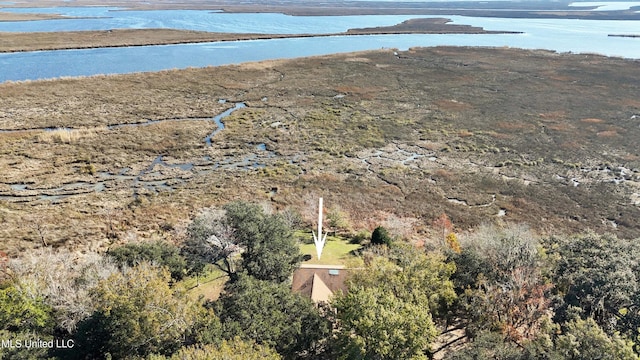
319 282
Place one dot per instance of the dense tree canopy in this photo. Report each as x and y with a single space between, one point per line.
578 339
158 252
600 274
584 339
270 314
62 281
138 314
410 274
270 251
21 312
389 308
489 345
500 293
373 323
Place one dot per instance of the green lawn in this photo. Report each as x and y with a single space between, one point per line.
211 284
336 251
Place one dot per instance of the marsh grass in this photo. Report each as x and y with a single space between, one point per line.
539 125
67 136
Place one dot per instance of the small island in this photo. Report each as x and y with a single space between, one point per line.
625 35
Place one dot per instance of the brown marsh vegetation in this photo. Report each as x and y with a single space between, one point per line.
483 134
8 16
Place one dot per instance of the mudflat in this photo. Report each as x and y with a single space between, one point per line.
483 134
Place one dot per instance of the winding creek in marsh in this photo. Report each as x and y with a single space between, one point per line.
158 176
163 173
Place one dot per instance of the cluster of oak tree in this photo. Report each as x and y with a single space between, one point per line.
496 293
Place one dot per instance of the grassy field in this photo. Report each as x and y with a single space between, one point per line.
482 134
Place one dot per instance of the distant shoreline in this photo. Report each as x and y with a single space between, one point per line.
37 41
70 40
625 35
9 16
506 9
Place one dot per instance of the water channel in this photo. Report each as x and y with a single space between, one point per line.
158 176
562 35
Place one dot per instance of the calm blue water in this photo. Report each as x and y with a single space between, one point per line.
202 20
578 36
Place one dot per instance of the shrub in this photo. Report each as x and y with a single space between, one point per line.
159 252
380 236
235 349
360 237
19 312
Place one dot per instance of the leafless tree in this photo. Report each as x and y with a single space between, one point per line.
309 211
4 261
211 240
292 217
40 230
509 288
400 226
64 279
110 216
